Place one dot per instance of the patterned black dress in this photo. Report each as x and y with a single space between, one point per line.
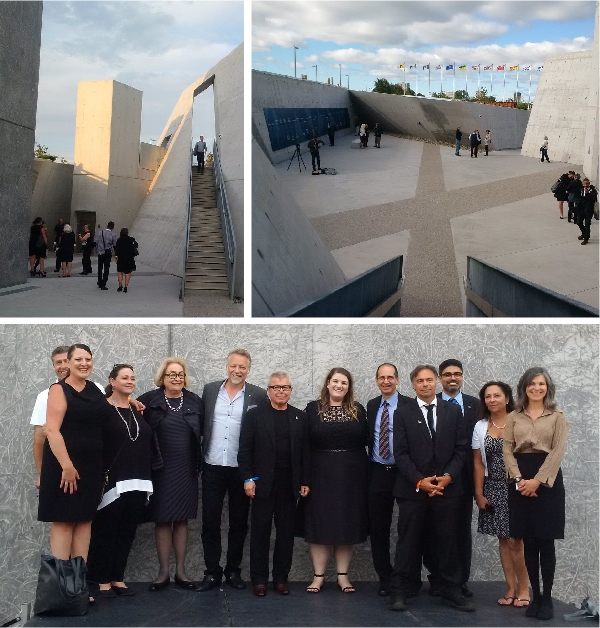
495 490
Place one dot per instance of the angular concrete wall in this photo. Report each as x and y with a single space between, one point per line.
275 90
107 177
52 189
307 352
20 39
290 262
591 147
162 220
436 120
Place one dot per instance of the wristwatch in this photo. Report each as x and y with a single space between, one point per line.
518 479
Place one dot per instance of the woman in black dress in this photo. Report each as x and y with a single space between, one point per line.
38 246
535 438
66 250
87 243
491 489
176 417
72 469
125 252
336 507
561 194
127 448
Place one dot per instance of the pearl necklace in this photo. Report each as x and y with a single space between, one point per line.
137 425
497 426
178 408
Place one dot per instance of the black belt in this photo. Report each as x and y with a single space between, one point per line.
387 467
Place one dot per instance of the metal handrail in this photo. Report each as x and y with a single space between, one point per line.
226 222
189 218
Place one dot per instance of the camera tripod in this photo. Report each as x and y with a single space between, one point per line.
298 155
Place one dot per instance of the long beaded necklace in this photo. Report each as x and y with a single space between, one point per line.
178 408
137 425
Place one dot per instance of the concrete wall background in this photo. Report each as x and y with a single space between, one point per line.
275 90
570 352
281 236
436 120
20 39
161 223
52 189
590 158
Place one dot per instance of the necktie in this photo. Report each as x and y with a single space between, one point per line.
454 400
384 433
430 421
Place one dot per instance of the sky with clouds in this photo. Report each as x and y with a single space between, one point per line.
371 39
157 47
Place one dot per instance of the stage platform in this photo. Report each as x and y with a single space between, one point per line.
227 607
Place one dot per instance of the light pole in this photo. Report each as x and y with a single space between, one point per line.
295 48
348 77
315 67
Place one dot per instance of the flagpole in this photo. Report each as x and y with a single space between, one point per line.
478 77
517 90
492 81
417 79
405 79
429 72
530 89
504 84
454 78
467 80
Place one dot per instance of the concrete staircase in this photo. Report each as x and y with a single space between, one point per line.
205 269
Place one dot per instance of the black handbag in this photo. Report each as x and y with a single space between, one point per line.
62 587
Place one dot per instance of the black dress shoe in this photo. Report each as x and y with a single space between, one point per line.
459 602
126 591
546 610
184 584
466 591
106 593
209 582
282 588
157 586
384 590
235 581
398 603
534 607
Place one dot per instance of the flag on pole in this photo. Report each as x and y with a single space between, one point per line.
526 68
413 66
540 68
488 67
500 68
450 67
438 67
402 66
426 67
475 67
514 68
462 67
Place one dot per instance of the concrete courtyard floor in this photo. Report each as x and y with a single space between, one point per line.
150 293
419 200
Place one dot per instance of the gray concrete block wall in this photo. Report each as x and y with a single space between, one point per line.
20 39
290 262
569 352
52 192
592 141
275 90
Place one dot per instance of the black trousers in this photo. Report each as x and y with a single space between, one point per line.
316 161
584 221
217 481
200 157
113 532
103 268
86 261
381 508
280 507
441 513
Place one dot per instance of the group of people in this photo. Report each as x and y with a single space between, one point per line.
124 249
474 142
580 196
330 473
363 132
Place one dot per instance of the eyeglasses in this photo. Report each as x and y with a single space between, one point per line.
278 388
175 375
458 374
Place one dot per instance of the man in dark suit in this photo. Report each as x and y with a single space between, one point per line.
382 470
430 446
225 405
274 460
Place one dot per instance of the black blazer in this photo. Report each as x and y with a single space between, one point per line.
372 408
256 454
471 416
253 395
414 453
156 410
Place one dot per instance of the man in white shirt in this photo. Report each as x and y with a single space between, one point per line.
225 406
199 150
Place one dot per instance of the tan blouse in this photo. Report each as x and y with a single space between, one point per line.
546 434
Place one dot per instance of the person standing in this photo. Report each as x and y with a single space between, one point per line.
474 140
66 250
363 135
226 404
574 189
313 147
382 470
86 249
331 133
274 464
458 137
58 229
535 439
105 241
487 141
38 245
377 133
589 196
199 150
561 194
544 149
125 252
430 447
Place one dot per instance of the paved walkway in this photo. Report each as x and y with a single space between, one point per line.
497 208
150 293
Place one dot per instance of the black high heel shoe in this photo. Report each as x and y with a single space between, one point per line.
157 586
184 584
32 273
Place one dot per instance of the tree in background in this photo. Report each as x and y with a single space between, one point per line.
481 95
461 94
383 86
41 152
439 95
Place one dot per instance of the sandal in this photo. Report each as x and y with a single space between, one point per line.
509 600
521 599
316 589
348 589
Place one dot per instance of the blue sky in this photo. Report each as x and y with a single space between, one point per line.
370 39
157 47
